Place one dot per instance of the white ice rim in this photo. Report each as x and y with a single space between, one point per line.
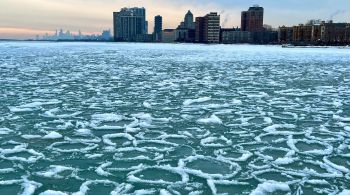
90 146
182 163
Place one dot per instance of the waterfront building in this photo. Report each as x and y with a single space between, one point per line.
235 35
208 28
335 33
199 32
168 35
185 32
302 33
212 28
285 35
316 33
158 27
253 19
265 37
189 22
128 23
185 35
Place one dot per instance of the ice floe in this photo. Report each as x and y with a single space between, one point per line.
199 100
213 119
270 187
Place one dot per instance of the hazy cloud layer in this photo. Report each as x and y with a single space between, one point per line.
95 15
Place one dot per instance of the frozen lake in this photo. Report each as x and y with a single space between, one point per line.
107 118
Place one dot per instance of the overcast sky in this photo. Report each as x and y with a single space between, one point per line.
26 18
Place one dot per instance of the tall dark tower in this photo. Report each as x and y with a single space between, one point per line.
158 24
253 19
158 27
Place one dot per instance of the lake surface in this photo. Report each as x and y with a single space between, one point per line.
108 118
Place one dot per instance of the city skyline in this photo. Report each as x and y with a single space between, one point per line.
92 16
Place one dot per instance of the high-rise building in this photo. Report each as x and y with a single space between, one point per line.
199 37
208 28
212 28
185 32
128 23
253 19
188 22
158 27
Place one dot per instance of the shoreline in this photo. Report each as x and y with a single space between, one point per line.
272 44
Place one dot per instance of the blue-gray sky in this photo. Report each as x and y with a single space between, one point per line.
25 18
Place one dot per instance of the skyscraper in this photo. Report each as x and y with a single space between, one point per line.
199 30
158 27
253 19
212 28
128 23
188 22
185 32
208 28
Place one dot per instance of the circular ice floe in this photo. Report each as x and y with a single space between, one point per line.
83 132
118 188
213 119
269 187
307 168
5 131
52 135
72 146
259 164
286 116
107 168
109 117
98 120
195 133
309 147
21 153
156 145
276 136
54 172
322 136
216 142
163 175
340 167
123 139
215 184
150 135
199 100
53 113
239 156
53 192
275 127
175 138
28 187
256 94
271 138
135 153
274 175
277 155
210 168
